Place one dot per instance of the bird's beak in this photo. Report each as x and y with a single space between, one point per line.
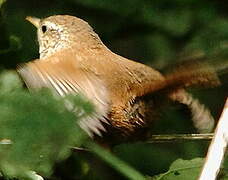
35 21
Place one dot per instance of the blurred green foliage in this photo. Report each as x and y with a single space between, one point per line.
40 128
183 169
157 33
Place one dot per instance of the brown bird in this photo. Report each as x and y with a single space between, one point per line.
126 94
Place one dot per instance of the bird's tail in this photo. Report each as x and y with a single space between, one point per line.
190 74
193 74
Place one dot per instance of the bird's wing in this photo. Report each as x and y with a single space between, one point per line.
66 77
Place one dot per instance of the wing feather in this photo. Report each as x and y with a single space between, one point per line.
66 78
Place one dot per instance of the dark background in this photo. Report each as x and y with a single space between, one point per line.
157 33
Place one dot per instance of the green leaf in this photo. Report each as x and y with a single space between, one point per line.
115 162
9 81
39 126
182 169
2 2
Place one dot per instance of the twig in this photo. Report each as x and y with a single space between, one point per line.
179 137
153 139
217 148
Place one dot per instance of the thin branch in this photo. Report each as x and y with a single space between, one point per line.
153 139
217 148
179 137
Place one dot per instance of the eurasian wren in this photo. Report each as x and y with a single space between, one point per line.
73 60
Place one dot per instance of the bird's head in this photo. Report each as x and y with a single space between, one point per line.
59 32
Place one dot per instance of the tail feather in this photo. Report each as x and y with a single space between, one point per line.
191 74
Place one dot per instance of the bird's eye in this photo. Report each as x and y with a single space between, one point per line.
44 28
